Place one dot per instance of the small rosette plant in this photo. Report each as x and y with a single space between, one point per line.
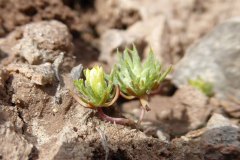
97 89
136 79
202 85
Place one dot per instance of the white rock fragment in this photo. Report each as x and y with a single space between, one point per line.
218 121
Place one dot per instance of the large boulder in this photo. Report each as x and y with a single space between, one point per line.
219 140
215 58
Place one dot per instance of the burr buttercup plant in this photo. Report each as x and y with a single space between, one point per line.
96 91
202 85
130 78
136 79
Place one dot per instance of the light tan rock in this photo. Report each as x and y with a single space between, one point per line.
145 34
38 74
43 41
185 111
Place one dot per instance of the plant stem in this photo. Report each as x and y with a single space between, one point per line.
144 102
122 121
144 107
141 116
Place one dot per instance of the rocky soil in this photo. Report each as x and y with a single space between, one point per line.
41 41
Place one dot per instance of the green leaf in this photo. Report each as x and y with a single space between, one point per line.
127 58
163 76
136 60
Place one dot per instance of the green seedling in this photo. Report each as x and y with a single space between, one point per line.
97 90
202 85
136 79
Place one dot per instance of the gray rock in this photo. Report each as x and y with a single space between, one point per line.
221 139
43 41
216 59
56 65
76 72
13 146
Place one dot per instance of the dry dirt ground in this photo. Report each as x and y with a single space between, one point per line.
42 40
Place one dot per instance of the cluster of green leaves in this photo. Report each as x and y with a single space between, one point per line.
136 78
202 85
